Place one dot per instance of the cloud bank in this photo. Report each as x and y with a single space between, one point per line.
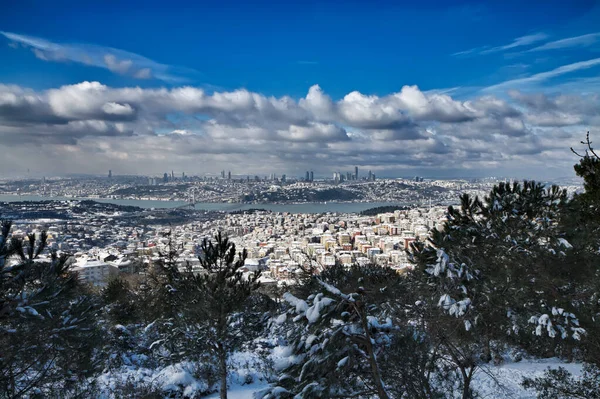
90 128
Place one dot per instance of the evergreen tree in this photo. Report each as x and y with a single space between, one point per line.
47 328
121 301
497 270
205 307
560 384
350 338
581 223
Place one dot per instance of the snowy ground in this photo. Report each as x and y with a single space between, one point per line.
504 382
497 382
241 391
245 378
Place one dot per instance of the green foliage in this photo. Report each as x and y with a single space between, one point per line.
495 274
582 226
560 384
47 320
382 209
121 301
350 333
202 311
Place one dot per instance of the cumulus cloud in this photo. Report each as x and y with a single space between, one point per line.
117 109
371 112
317 132
144 130
559 110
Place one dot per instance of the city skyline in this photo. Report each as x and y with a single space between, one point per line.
461 90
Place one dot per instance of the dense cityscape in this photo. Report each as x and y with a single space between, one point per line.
272 189
125 239
115 240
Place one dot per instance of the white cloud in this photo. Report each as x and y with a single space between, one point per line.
576 41
144 73
518 42
316 132
117 109
118 66
543 76
94 125
115 60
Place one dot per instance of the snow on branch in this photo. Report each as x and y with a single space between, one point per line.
335 291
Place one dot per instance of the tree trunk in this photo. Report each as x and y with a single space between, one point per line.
466 394
222 354
379 386
487 351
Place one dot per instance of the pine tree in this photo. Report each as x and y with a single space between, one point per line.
47 327
205 307
350 338
581 223
559 384
497 271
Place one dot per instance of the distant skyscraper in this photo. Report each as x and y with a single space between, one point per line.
307 176
222 174
165 178
283 178
110 174
312 176
229 175
370 176
182 175
356 173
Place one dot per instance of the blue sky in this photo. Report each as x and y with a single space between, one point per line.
462 50
280 49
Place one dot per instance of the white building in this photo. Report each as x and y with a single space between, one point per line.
95 272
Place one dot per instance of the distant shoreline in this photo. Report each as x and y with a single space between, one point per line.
301 207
